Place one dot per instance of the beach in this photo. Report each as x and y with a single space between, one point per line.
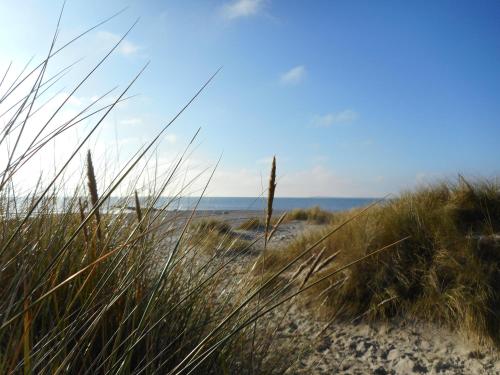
346 347
249 187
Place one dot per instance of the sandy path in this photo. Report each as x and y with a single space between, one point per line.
362 348
388 348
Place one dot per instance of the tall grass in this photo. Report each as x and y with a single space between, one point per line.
87 290
447 272
313 215
253 223
216 237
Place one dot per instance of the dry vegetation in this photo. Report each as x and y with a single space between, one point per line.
87 291
211 225
448 271
216 237
253 223
313 215
91 291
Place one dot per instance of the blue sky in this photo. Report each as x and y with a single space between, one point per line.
355 98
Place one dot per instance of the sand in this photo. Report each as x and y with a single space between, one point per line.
347 348
388 348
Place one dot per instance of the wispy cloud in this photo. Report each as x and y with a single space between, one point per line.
344 117
171 138
126 47
316 180
241 8
294 75
132 121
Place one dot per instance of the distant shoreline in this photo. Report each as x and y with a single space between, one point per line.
252 203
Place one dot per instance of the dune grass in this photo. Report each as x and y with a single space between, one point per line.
216 237
447 272
253 223
313 215
211 225
91 291
92 305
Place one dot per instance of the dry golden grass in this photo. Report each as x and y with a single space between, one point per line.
211 225
87 291
253 223
217 238
313 215
95 292
447 272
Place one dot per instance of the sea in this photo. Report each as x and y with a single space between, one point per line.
115 204
259 203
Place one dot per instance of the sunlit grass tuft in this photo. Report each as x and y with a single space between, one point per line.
253 223
447 272
89 290
313 215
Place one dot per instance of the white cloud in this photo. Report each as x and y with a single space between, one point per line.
73 100
294 75
124 141
54 153
170 138
329 119
318 180
132 121
241 8
126 47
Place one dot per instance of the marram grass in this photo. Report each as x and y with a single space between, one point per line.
86 290
447 272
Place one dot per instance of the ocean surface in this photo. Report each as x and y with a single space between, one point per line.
213 204
279 204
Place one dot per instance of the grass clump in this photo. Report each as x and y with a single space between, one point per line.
217 238
211 225
91 291
81 308
447 272
253 223
313 215
256 224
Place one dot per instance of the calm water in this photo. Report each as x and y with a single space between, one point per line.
248 203
231 203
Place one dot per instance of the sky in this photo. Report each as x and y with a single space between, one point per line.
355 98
